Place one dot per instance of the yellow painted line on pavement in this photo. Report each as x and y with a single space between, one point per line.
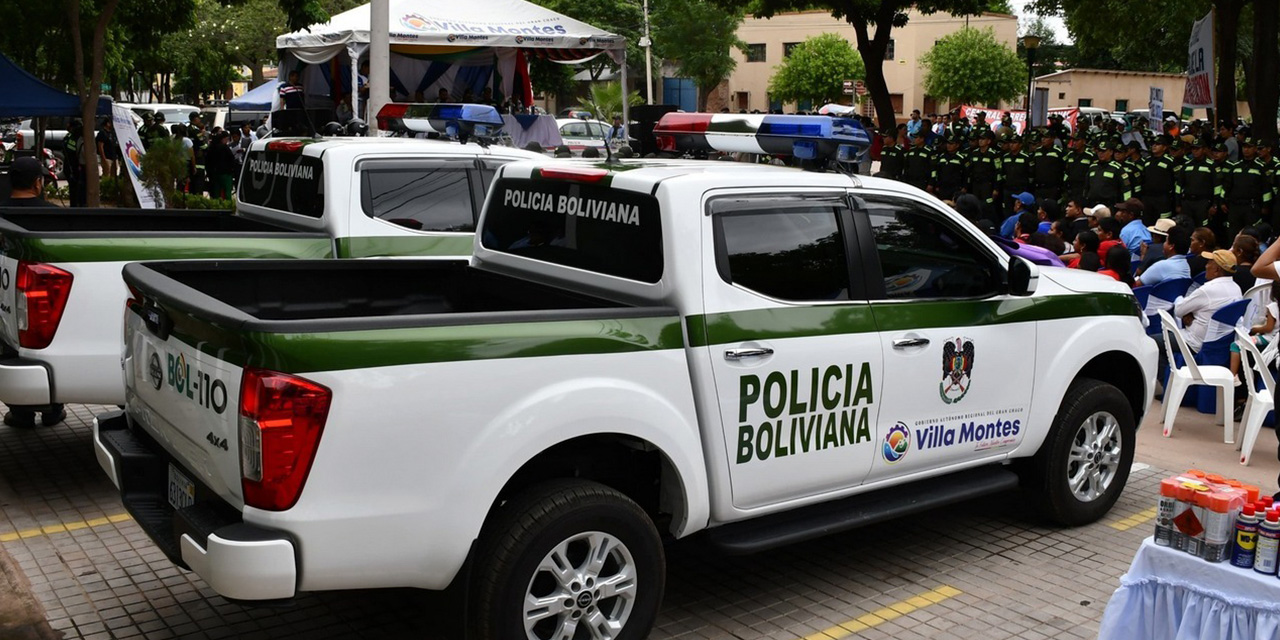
885 614
1133 520
64 527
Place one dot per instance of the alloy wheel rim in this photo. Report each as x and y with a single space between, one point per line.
583 589
1094 458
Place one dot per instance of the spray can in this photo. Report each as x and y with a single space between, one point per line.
1246 543
1193 521
1219 521
1181 515
1268 544
1165 510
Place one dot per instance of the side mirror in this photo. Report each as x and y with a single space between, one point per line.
1022 276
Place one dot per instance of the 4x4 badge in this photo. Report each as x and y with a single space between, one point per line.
157 374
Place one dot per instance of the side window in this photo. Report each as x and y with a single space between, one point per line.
922 256
789 249
575 129
426 197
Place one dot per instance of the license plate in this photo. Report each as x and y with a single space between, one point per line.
182 491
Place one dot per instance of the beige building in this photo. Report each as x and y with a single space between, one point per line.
1117 90
769 40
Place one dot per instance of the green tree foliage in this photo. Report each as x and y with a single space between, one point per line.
606 100
969 66
164 167
1135 36
816 70
873 22
551 78
621 17
697 36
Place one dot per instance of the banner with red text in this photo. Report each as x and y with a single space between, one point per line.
1200 86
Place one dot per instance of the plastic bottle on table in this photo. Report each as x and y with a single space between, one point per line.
1165 510
1268 544
1246 542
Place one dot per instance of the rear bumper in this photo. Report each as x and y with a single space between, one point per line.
25 382
238 560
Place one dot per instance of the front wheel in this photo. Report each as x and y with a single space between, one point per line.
1083 465
568 560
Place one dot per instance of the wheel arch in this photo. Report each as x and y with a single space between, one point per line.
1122 371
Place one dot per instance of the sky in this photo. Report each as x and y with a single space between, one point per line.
1024 16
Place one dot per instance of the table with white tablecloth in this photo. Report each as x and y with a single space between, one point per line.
1173 595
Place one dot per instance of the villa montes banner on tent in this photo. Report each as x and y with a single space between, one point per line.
471 24
1200 85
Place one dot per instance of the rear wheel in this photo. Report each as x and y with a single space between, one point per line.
1083 465
568 560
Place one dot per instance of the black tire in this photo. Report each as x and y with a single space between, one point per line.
525 530
1049 480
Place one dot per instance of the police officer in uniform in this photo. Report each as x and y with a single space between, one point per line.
1246 190
1198 182
917 165
1015 171
983 170
1158 182
1105 183
947 178
891 156
1077 161
1048 167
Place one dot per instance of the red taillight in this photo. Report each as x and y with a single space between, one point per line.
288 146
575 174
21 140
42 297
281 419
666 143
390 113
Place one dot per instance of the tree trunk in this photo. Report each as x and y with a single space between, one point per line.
872 50
255 73
1226 18
1266 68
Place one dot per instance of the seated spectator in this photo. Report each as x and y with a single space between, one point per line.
1133 233
969 206
1021 202
1094 214
1086 255
1116 264
1076 220
1203 241
1153 252
1049 213
1174 264
1246 251
1025 226
1108 234
1219 290
1262 335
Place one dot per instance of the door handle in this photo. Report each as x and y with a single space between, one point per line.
907 343
738 354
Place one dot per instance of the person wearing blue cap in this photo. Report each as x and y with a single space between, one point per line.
1021 202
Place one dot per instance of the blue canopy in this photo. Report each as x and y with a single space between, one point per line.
26 95
257 99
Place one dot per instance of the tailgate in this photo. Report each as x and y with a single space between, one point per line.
8 297
184 397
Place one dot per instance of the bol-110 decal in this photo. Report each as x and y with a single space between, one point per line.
957 369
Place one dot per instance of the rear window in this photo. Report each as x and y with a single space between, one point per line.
586 226
285 181
426 196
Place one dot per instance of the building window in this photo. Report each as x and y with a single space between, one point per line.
1122 105
896 99
1062 95
787 47
888 51
1085 102
755 53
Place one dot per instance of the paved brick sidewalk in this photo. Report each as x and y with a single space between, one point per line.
975 570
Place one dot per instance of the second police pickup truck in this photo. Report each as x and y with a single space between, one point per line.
60 283
760 354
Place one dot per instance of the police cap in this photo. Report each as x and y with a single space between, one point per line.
1164 139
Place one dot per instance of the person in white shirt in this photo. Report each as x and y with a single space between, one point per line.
1219 290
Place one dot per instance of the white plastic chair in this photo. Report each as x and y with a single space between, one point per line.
1261 401
1181 378
1260 294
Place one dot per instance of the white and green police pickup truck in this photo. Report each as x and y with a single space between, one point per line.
760 354
60 284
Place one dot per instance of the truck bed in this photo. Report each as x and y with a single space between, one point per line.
373 292
25 221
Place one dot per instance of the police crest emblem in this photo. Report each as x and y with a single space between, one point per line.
957 369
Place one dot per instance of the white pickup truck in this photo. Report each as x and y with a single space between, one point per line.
60 283
757 353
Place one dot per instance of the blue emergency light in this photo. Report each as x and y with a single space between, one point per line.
805 137
455 120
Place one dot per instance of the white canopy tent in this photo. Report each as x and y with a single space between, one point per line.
462 47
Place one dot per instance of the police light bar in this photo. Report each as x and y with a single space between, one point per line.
806 137
453 120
